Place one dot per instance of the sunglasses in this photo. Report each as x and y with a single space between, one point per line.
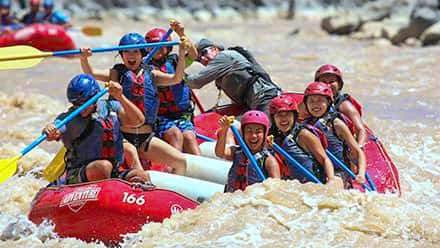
204 52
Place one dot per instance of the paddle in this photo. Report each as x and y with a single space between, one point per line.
247 152
20 57
91 30
291 161
9 166
344 167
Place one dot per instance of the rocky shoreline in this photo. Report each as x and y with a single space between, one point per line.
398 22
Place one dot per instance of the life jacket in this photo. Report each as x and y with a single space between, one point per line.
238 83
142 92
242 173
292 147
340 98
336 145
100 140
175 100
31 18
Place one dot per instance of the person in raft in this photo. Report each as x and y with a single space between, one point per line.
8 20
237 73
34 15
318 99
254 127
139 86
54 16
93 138
175 109
343 103
299 141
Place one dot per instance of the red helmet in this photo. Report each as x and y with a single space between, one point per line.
330 69
319 88
283 102
35 2
255 117
156 35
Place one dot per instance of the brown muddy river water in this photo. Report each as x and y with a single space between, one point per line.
398 86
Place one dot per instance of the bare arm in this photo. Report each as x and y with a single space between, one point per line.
221 150
180 31
114 75
355 151
102 75
161 78
351 112
273 167
311 143
129 114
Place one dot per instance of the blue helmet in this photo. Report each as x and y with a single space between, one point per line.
81 88
48 4
5 3
133 39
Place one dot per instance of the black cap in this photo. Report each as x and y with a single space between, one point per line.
204 43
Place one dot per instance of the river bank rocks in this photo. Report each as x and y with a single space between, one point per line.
401 22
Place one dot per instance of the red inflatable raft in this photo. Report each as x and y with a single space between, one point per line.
380 167
105 210
46 37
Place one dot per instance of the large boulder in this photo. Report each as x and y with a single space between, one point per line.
341 24
370 30
431 36
376 11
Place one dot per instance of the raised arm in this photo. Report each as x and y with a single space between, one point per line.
102 75
130 115
164 79
180 31
221 150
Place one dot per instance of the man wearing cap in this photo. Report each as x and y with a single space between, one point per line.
237 73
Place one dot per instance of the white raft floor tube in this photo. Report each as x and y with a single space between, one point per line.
207 169
190 187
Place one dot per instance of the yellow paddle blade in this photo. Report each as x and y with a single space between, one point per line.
8 167
92 30
20 57
56 166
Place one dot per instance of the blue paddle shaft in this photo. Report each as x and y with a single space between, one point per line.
281 151
344 167
64 121
205 138
370 181
155 49
117 48
247 152
295 163
102 92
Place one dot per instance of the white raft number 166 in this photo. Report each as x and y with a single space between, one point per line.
131 198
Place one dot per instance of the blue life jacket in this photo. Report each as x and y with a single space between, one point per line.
142 92
336 145
242 173
175 100
292 147
99 137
